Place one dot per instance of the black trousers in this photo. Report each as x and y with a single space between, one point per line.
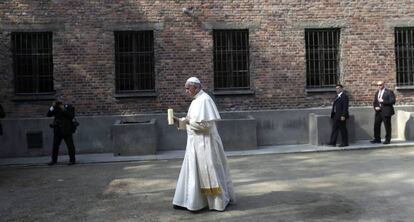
379 118
57 140
339 126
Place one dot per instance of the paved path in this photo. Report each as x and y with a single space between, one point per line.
354 185
179 154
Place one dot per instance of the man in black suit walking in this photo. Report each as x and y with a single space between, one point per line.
383 105
62 129
339 115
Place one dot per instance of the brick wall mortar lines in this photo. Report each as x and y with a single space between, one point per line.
84 60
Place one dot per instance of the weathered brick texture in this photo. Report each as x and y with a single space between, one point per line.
83 50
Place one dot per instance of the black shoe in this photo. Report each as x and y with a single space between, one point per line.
71 163
179 207
375 141
343 145
386 142
51 163
331 144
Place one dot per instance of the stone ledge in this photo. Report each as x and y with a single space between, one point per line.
238 134
134 137
320 128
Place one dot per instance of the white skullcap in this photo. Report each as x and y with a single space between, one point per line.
194 80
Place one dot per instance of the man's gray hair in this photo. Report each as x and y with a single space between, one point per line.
194 81
197 85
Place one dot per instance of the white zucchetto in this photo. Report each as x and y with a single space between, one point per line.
193 80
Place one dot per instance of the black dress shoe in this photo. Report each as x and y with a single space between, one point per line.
375 141
179 207
51 163
331 144
386 142
343 145
71 163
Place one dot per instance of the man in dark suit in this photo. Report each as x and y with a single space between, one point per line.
383 105
2 115
62 129
339 115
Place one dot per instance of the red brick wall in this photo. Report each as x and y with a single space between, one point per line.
84 51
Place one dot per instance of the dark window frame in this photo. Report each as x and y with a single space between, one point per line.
404 56
134 62
322 57
32 62
231 58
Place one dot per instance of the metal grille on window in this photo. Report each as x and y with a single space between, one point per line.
322 57
231 59
404 56
134 61
32 62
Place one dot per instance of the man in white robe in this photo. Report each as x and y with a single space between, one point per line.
204 177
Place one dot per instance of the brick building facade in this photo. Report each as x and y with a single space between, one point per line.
130 57
84 51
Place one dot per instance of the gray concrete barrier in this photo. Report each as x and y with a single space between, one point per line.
134 137
238 133
320 128
405 125
239 130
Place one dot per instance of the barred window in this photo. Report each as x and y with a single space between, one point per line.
134 61
404 56
322 57
231 59
32 62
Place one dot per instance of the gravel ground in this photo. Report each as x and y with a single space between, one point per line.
362 185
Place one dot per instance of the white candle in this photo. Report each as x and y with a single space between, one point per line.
170 116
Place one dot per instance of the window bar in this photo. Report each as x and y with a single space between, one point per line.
335 61
319 61
404 49
247 59
329 71
141 53
404 65
307 57
35 61
406 57
323 59
331 60
236 57
310 79
311 62
399 58
397 55
315 61
410 59
230 56
326 59
143 62
226 69
409 56
235 52
117 59
240 55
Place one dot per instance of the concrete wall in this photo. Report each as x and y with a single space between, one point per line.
272 128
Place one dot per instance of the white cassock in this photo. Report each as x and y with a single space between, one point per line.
204 177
